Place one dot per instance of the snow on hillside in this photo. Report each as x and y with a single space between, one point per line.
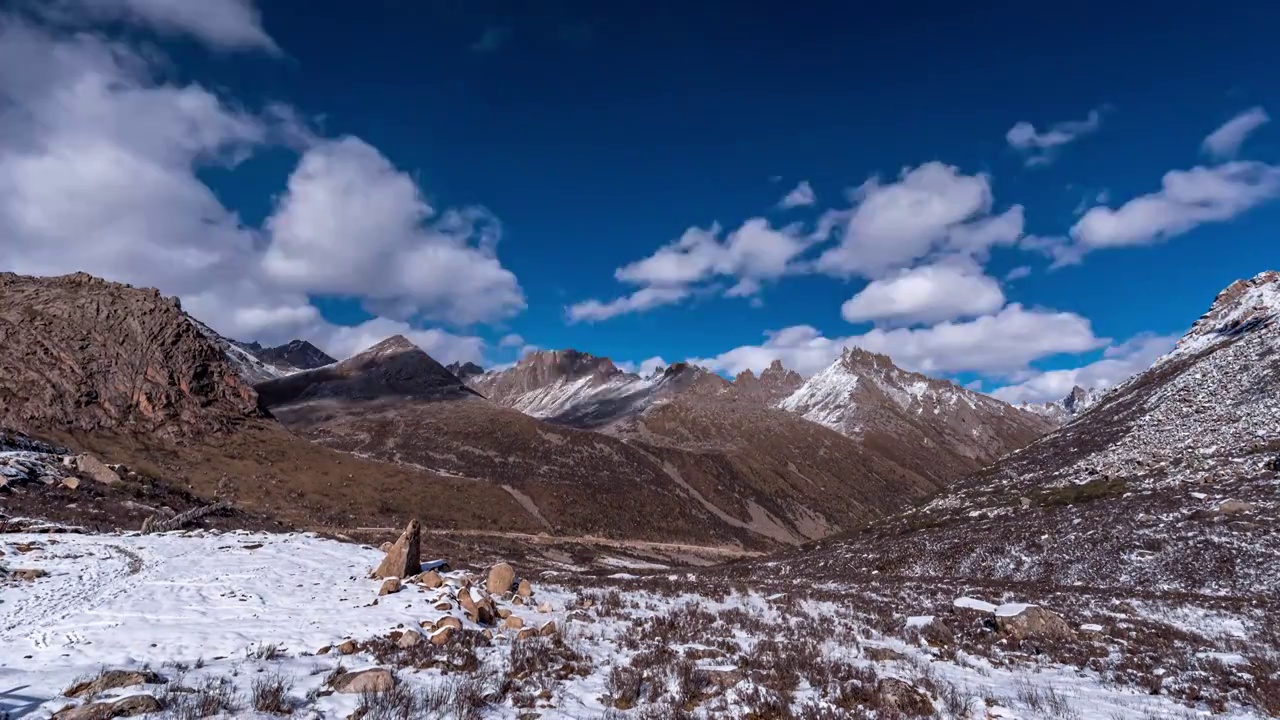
248 366
215 616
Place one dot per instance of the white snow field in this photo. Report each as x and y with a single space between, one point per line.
240 606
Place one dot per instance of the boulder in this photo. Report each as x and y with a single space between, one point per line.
444 606
390 585
1032 622
96 469
526 633
70 483
27 574
348 647
404 558
525 589
544 606
430 579
373 680
443 634
501 578
409 638
503 613
903 697
448 621
548 628
110 680
513 622
132 706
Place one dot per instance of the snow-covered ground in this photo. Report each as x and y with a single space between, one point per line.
243 606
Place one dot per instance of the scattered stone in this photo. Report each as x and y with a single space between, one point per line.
525 589
324 650
403 559
1034 622
513 622
444 606
430 579
1232 507
544 606
70 483
27 574
724 678
883 655
448 621
131 706
96 469
501 578
348 647
373 680
526 633
503 613
409 638
443 634
903 697
548 628
390 585
517 600
110 680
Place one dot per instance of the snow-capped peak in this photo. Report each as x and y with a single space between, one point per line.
1242 307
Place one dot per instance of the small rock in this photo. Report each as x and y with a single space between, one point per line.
517 600
904 697
96 469
28 574
448 621
390 585
404 558
430 579
444 606
525 589
373 680
1034 622
131 706
513 622
348 647
526 633
71 483
544 606
501 578
110 680
324 650
409 638
548 628
724 678
1232 507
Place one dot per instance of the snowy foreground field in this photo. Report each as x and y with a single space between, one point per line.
237 625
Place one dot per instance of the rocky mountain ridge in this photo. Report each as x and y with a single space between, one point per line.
1168 482
1062 411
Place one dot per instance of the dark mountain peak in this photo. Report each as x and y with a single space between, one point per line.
465 370
856 357
298 354
394 367
546 366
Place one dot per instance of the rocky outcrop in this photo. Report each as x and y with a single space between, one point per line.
295 354
463 371
83 354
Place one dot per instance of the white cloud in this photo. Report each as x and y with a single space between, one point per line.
1017 273
801 195
1001 344
342 341
931 208
638 301
1225 142
1186 199
754 253
99 168
1039 147
511 340
647 367
226 24
926 294
1119 362
352 224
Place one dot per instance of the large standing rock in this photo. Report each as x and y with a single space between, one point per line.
904 697
501 578
131 706
404 558
371 680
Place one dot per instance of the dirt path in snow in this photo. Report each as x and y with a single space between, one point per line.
716 550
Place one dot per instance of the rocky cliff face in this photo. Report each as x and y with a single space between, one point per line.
1066 409
80 353
295 354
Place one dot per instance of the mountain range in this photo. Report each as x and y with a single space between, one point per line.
1174 464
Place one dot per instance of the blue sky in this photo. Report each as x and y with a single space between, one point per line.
319 169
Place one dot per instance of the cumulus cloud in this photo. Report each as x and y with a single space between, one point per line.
1119 362
351 224
1225 142
927 294
1017 273
1186 199
342 341
801 195
224 24
1001 344
933 208
754 253
1039 148
99 171
511 340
